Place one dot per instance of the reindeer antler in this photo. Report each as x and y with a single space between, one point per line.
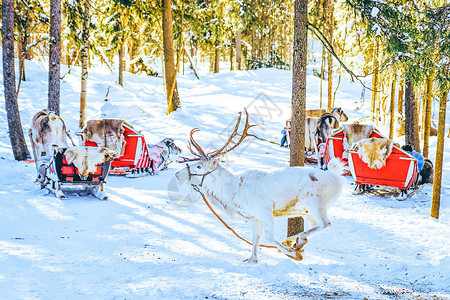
200 153
195 148
192 143
244 134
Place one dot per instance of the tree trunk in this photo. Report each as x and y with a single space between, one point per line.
68 61
375 83
22 45
421 111
16 135
121 55
238 50
330 23
74 58
211 61
192 54
54 72
411 126
295 226
297 149
132 55
435 205
216 58
231 55
253 51
401 92
190 61
322 76
183 50
173 101
427 109
84 62
392 109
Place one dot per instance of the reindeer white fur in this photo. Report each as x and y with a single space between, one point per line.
259 196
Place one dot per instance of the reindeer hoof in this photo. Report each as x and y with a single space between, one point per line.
293 243
290 241
251 260
298 256
300 246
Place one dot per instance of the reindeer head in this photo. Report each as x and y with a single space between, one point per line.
339 114
170 144
206 163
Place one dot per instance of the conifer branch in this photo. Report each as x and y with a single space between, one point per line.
326 43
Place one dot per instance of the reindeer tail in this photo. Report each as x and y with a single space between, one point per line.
336 166
336 169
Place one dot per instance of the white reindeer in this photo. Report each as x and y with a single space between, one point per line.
259 196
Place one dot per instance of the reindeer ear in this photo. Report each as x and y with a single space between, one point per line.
214 163
70 156
168 141
108 153
389 147
112 154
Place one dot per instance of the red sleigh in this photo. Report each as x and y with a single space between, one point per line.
135 160
400 170
55 173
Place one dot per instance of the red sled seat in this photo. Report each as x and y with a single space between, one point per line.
399 172
135 154
69 173
135 157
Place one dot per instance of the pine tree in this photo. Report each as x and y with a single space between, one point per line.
29 18
16 136
173 101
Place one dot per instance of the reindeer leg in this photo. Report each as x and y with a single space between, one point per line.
269 234
317 217
257 232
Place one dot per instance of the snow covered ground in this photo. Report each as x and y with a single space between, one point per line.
140 245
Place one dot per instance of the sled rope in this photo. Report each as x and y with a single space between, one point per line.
227 226
263 139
